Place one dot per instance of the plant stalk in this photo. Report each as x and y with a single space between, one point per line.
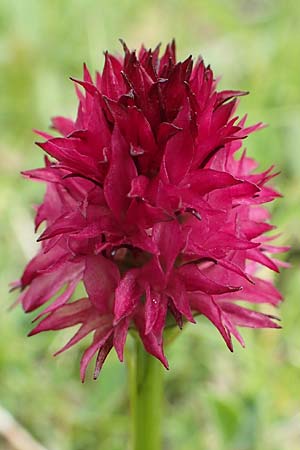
146 390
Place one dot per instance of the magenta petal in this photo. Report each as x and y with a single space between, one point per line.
87 85
61 299
153 204
101 277
244 317
262 291
258 256
196 280
169 240
120 334
98 341
66 316
102 355
166 131
209 308
118 180
177 292
48 174
79 312
154 348
112 83
63 125
70 223
145 216
152 341
234 268
227 241
207 180
253 229
223 96
152 308
127 295
179 149
102 324
41 262
46 285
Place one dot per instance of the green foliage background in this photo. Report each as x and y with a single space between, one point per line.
248 400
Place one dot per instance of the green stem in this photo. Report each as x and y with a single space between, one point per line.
146 389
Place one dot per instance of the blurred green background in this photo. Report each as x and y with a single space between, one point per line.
248 400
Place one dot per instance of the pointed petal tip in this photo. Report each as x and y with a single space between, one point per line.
82 374
123 43
96 375
61 350
162 358
190 319
228 342
120 353
13 286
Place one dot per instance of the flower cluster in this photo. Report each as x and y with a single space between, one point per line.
148 204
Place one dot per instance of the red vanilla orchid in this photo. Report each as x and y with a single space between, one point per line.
150 205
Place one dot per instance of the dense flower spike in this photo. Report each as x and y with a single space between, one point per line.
148 204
